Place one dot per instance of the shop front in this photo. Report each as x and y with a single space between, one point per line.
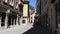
8 18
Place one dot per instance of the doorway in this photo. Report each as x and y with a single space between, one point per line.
3 19
58 14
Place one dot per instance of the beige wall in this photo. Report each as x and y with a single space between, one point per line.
25 10
25 13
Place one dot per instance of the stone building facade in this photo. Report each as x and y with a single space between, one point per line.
11 12
32 15
49 14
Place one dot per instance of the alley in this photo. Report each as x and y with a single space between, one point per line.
37 30
29 16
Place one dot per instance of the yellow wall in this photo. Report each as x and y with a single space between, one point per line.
25 13
25 10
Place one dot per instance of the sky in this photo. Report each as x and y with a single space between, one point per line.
32 3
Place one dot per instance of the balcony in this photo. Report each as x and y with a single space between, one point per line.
11 3
20 7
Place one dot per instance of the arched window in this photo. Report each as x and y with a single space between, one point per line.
11 2
16 4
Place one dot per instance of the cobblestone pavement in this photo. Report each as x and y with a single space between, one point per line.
37 30
17 29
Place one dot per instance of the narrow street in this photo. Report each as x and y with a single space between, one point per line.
37 30
29 16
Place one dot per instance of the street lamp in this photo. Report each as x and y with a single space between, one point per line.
8 11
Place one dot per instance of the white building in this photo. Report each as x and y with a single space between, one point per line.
32 15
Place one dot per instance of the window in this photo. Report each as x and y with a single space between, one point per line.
23 21
31 17
11 2
21 7
6 0
19 2
16 4
31 21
